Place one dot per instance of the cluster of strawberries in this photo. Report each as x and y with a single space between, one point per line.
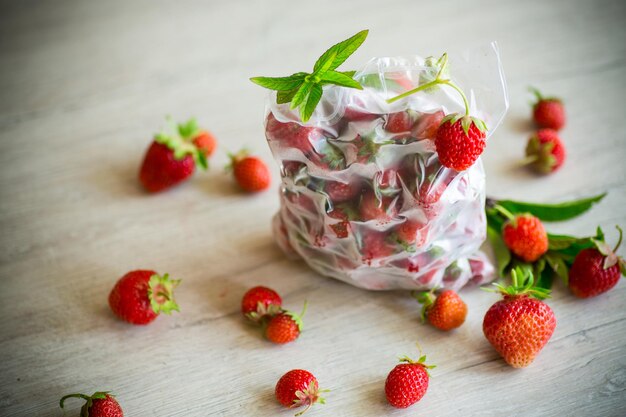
545 152
174 155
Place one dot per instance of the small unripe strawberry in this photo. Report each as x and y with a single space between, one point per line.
445 311
545 153
526 237
548 112
596 270
407 383
298 388
100 404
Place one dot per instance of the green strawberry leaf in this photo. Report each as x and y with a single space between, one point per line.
341 51
189 129
558 265
552 212
314 97
280 83
337 78
501 252
545 280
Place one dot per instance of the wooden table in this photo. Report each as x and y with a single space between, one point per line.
83 87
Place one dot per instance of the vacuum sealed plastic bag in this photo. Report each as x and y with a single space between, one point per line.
364 197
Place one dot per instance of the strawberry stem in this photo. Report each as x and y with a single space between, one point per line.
504 212
83 396
438 80
619 242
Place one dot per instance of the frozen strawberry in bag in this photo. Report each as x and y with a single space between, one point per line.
382 182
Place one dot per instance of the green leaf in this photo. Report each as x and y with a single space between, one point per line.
557 242
348 73
558 265
280 83
500 250
283 97
301 94
545 280
189 129
314 97
325 66
552 212
337 78
342 51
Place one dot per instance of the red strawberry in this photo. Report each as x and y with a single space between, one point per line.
259 303
400 122
357 115
344 213
526 237
100 404
596 270
445 311
407 383
171 158
340 192
285 327
548 112
371 208
291 134
140 296
374 245
250 172
519 326
460 141
427 125
545 152
205 142
298 388
411 232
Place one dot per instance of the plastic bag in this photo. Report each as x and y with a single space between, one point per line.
364 198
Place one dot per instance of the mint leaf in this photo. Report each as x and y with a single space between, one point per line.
328 62
342 51
283 97
552 212
337 78
348 73
314 97
501 252
301 94
280 83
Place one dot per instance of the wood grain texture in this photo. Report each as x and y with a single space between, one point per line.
84 84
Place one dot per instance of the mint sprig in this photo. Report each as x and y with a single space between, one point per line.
304 90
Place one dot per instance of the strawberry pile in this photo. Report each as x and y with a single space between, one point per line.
382 185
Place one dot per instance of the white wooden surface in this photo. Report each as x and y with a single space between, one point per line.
84 84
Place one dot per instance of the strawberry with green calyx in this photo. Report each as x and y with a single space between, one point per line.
519 325
140 296
524 235
260 303
304 90
548 112
172 157
99 404
407 383
298 388
445 311
250 172
596 270
285 327
460 138
545 153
